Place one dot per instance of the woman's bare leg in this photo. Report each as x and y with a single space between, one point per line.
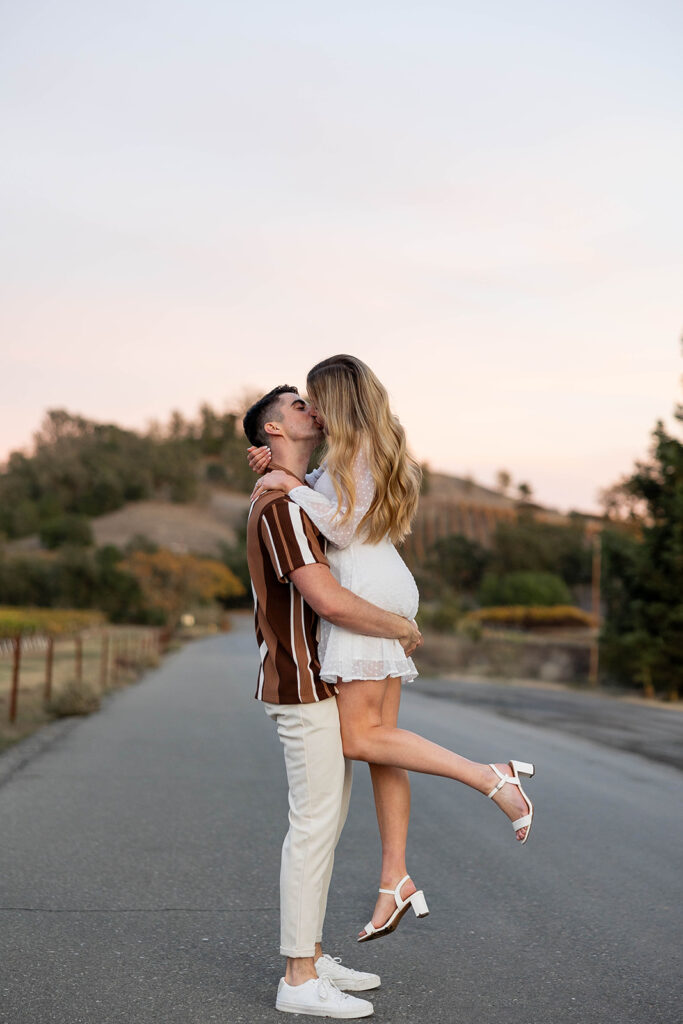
391 788
366 737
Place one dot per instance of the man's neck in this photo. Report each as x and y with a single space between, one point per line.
294 458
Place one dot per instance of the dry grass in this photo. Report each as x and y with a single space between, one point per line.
107 665
75 699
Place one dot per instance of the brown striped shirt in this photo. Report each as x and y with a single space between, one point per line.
280 539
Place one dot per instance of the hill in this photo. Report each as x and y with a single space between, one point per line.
203 526
194 527
185 486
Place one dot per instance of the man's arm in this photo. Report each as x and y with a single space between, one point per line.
331 601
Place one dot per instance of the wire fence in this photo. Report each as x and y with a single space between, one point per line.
47 676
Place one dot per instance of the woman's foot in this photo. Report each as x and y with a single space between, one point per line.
386 904
508 798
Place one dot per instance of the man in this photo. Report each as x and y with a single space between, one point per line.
293 587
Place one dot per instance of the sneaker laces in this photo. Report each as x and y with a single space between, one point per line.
326 988
338 960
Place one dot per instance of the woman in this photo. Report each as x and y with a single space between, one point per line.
363 499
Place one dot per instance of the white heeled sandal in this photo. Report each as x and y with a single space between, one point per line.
417 901
518 768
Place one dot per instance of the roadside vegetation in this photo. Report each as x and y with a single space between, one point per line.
535 580
533 585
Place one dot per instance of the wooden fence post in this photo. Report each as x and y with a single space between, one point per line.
16 647
104 662
49 662
78 641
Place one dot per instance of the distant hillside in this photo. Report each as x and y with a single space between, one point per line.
453 505
203 526
194 528
185 486
82 468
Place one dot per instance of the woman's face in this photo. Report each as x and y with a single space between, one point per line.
315 413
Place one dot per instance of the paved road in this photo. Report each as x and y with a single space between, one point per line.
140 852
641 727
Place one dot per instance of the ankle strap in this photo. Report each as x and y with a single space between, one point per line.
396 893
503 779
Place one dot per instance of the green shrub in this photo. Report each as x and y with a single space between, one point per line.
67 529
76 577
524 588
531 546
457 562
443 618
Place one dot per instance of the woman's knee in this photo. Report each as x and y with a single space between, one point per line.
356 744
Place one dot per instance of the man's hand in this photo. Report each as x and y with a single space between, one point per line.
412 639
322 592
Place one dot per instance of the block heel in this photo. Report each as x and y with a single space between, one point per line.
417 901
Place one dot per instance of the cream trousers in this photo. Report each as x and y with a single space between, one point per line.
319 781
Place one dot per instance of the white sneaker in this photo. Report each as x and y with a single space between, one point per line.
345 978
320 998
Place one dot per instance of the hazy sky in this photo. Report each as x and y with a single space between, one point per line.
483 201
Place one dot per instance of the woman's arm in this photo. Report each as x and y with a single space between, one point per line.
324 512
259 459
314 475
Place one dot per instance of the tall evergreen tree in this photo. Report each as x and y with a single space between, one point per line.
643 634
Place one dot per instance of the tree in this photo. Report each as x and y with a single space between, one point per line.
457 562
642 639
66 529
503 481
210 430
528 545
172 583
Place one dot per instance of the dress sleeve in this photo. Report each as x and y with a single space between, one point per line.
314 475
324 513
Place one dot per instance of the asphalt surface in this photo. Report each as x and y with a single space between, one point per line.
627 723
139 862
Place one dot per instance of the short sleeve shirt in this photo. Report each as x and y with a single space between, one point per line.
280 539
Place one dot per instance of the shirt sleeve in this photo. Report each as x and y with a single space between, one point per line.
326 515
290 538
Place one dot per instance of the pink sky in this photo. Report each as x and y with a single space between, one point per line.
484 208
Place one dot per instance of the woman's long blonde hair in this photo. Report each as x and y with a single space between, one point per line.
355 406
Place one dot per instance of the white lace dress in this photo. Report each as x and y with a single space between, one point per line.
373 571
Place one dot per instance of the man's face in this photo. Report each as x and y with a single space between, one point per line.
296 420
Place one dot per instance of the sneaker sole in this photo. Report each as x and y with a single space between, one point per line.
321 1011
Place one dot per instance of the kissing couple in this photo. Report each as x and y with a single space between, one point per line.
335 610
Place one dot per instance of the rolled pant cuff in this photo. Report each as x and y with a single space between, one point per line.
297 953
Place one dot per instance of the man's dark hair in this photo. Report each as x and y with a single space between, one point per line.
260 412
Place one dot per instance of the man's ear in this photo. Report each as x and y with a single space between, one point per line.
273 427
